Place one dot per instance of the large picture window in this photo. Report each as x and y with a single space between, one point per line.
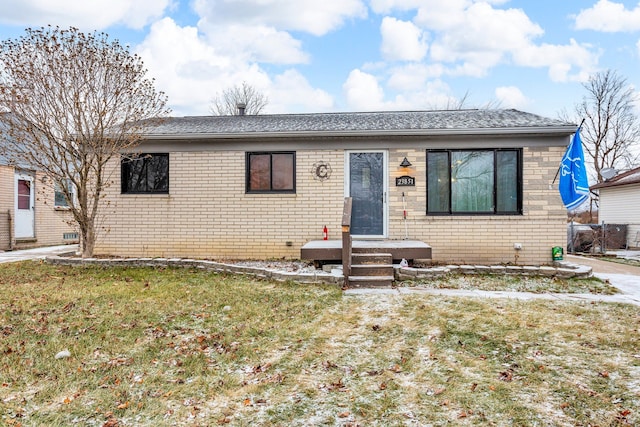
273 172
474 182
145 173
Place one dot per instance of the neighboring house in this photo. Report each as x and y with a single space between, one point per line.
32 213
476 185
619 203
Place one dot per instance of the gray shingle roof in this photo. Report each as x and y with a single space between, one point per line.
450 121
627 178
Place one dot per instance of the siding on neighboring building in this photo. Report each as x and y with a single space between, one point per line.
621 205
208 214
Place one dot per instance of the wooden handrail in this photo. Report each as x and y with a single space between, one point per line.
346 239
346 213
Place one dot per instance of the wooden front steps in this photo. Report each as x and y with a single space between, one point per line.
371 260
371 270
330 251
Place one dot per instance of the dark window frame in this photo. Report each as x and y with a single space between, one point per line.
271 190
125 163
519 189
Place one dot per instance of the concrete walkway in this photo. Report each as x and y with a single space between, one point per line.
37 253
624 277
525 296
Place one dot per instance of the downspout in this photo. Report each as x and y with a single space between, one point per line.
10 229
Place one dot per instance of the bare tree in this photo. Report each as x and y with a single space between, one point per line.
227 102
463 103
611 130
76 101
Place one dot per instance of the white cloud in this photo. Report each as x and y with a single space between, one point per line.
192 72
476 33
311 16
608 16
259 43
86 15
511 97
261 29
363 91
572 62
402 41
188 69
433 95
413 76
291 92
386 6
472 37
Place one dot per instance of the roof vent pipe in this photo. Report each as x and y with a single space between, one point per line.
241 108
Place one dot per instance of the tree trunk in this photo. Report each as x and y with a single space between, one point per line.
88 240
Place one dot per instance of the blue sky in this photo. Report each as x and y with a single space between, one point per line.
362 55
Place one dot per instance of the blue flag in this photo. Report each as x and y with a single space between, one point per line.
573 186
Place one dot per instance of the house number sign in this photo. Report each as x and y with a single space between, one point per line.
405 181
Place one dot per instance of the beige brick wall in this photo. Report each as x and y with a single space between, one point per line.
50 223
208 215
6 205
486 238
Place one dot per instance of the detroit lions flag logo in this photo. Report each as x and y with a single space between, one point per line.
573 185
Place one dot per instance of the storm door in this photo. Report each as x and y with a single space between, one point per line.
367 186
24 206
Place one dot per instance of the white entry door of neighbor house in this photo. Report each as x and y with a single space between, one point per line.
366 184
24 204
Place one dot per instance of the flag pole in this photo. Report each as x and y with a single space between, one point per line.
558 171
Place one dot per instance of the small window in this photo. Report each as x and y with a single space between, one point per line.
145 173
271 172
474 182
24 194
60 201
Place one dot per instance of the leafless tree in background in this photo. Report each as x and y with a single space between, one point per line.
464 103
75 101
611 130
226 103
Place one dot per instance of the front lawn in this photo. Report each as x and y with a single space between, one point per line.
177 347
515 283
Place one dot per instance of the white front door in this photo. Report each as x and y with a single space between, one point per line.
366 184
24 203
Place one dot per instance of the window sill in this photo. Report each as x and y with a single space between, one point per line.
476 217
273 193
145 194
61 208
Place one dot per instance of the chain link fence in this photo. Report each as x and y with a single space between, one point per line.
598 238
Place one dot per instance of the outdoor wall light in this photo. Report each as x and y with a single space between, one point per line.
405 163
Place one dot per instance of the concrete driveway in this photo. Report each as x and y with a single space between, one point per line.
37 253
624 277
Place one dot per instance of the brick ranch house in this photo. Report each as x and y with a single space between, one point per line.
475 184
32 213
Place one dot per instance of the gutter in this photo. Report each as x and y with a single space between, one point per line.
552 130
